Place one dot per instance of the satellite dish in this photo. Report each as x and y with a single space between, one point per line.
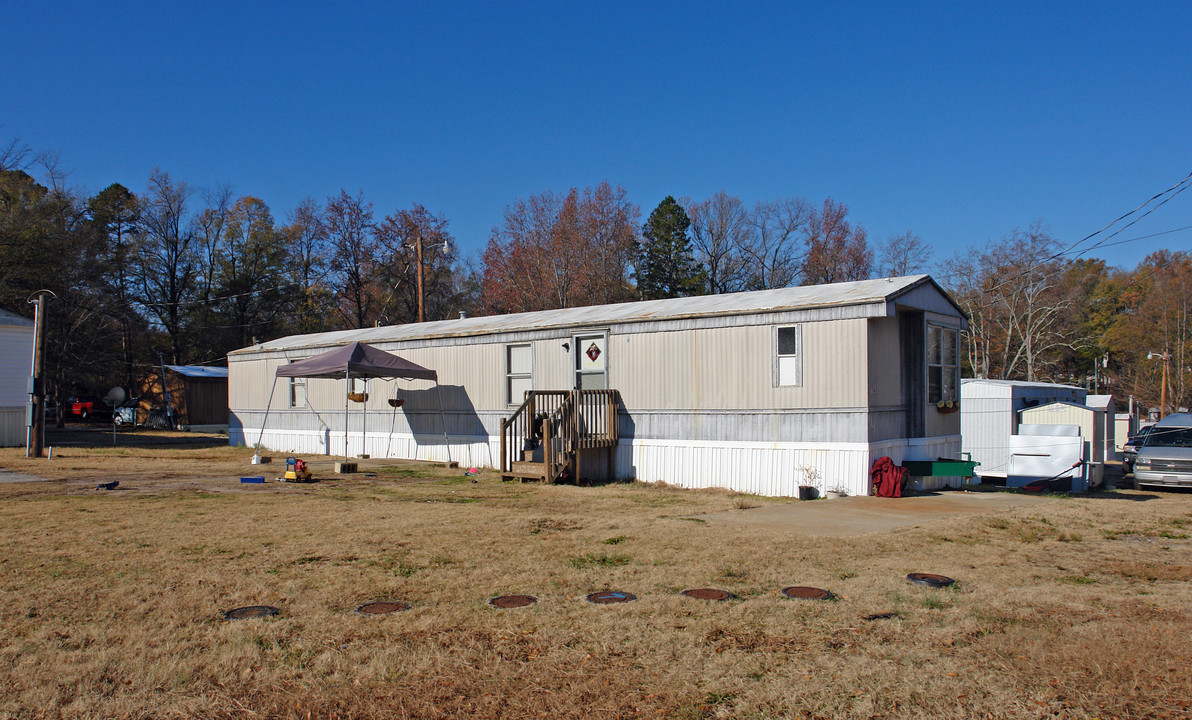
115 396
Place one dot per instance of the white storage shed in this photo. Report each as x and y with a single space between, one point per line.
761 392
1105 404
989 416
16 357
1125 426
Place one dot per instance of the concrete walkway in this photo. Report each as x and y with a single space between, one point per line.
849 516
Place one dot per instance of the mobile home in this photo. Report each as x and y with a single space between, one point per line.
16 356
760 392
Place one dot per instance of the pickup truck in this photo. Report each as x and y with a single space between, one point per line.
85 408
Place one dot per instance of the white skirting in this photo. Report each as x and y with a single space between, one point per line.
774 469
12 426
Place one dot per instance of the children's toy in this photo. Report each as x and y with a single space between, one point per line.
296 471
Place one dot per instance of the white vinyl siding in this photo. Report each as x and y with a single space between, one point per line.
519 372
16 350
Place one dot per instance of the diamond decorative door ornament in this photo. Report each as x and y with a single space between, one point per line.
592 352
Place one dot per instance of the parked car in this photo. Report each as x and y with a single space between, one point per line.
126 415
1166 457
1130 449
86 407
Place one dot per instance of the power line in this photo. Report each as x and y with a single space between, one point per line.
1171 192
1156 196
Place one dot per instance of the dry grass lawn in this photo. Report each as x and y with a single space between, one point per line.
112 601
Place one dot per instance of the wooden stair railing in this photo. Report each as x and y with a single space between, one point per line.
555 425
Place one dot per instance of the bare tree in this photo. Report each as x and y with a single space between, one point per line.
167 263
1035 307
16 156
398 237
309 254
210 227
1017 303
306 236
967 277
775 247
350 231
556 251
903 254
837 250
720 231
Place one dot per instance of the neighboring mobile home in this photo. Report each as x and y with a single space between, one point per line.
16 358
760 392
989 415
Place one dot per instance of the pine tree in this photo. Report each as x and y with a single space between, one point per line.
665 265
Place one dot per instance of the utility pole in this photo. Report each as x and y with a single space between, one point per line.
418 246
418 252
35 435
1166 358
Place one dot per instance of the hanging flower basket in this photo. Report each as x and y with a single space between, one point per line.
358 397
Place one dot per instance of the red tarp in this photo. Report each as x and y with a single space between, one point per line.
887 477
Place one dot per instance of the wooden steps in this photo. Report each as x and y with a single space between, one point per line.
544 437
526 470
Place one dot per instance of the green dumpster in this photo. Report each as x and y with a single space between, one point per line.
943 467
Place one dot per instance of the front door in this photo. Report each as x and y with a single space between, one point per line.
591 362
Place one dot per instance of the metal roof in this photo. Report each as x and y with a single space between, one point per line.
7 318
1017 383
1062 403
1099 401
861 292
199 371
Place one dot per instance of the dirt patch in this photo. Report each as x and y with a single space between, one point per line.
155 462
845 517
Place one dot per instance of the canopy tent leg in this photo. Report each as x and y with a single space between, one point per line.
269 404
443 419
364 422
392 424
347 389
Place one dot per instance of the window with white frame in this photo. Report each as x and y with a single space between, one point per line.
297 392
943 367
519 372
788 364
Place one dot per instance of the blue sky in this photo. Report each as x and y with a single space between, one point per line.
960 124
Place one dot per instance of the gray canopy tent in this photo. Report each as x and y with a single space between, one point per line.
355 360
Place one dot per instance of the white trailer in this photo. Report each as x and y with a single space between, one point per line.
1091 424
989 416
